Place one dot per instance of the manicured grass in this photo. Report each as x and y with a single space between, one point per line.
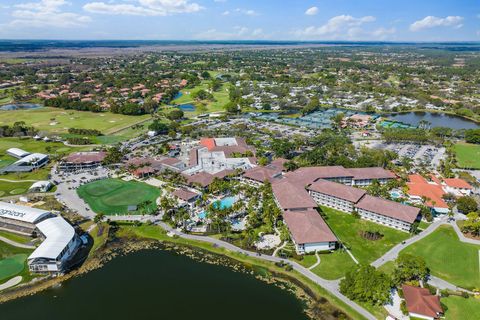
10 188
12 261
334 265
12 266
308 260
448 258
15 237
468 155
461 308
113 196
221 98
59 121
387 267
347 228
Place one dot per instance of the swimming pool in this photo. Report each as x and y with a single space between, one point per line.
225 203
187 107
395 194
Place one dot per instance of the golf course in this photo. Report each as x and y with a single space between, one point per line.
114 196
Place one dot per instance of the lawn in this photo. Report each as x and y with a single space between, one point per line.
13 188
347 228
15 237
334 265
448 258
113 196
58 121
221 98
461 308
12 261
468 155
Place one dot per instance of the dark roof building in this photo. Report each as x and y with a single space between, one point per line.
420 303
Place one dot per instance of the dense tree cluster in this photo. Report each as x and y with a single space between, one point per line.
64 102
17 130
85 132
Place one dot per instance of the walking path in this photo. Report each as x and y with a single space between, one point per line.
18 181
274 254
10 283
16 244
331 286
316 263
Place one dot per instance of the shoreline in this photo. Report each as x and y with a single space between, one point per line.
317 302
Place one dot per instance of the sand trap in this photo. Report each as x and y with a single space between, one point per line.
268 241
10 283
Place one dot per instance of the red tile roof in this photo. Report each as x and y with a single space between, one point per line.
420 301
209 143
389 208
307 175
291 196
204 179
308 227
420 187
457 183
337 190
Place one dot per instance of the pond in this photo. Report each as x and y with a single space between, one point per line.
154 284
22 106
434 119
187 107
178 95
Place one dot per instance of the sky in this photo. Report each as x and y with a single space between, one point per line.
349 20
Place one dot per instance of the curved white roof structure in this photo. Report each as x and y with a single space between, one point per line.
22 213
58 234
17 153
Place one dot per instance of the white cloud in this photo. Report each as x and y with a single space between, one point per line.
432 22
247 12
237 33
336 27
225 13
46 13
311 11
383 33
144 7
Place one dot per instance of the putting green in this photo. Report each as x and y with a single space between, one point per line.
113 196
18 191
12 266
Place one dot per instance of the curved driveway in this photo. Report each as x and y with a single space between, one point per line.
330 286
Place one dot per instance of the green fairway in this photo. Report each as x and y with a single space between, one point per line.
448 258
468 155
221 98
334 265
347 228
12 266
461 308
13 188
113 196
59 121
12 261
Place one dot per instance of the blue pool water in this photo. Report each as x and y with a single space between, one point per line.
225 203
395 194
202 215
187 107
178 95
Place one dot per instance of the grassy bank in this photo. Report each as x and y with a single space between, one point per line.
154 232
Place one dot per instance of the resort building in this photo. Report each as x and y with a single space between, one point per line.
82 161
40 186
17 153
259 175
27 161
421 303
389 213
309 232
430 192
217 154
60 242
289 196
365 176
186 197
335 195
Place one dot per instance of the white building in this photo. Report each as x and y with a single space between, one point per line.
60 242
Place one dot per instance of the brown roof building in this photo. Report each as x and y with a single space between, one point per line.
389 208
307 226
290 196
337 190
420 303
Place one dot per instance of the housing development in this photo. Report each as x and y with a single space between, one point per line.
347 172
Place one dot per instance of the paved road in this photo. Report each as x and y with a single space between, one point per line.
16 244
442 284
392 254
330 286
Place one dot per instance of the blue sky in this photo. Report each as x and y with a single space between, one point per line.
390 20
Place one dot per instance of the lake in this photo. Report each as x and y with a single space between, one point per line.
436 120
154 284
22 106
